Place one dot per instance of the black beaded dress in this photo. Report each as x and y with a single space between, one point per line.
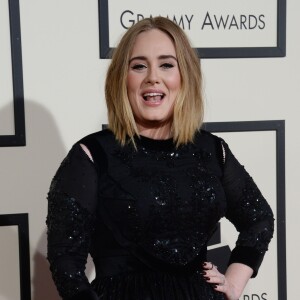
145 215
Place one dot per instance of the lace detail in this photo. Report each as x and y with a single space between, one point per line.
128 154
173 233
180 219
69 229
254 218
77 221
68 283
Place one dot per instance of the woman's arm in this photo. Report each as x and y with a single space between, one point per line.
249 212
71 220
236 278
252 216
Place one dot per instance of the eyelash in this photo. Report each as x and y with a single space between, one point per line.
167 66
139 67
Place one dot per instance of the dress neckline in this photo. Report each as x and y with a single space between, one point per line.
154 144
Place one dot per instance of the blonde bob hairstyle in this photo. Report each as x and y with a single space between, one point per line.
188 107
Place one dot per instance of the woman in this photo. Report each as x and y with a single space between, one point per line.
144 196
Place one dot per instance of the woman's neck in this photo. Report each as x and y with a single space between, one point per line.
159 133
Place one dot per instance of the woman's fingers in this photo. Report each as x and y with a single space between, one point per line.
208 266
218 280
213 276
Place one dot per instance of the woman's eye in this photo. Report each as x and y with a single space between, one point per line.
167 66
138 67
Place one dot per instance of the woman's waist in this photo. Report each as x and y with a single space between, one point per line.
138 260
155 285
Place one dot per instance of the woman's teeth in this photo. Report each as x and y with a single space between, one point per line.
153 97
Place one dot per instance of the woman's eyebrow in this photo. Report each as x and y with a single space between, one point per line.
137 58
167 57
159 57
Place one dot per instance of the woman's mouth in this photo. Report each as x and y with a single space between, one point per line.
153 97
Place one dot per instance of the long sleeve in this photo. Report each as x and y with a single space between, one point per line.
71 215
248 210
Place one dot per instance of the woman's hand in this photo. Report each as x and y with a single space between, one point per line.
232 283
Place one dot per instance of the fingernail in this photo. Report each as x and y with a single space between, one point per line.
206 278
203 272
215 285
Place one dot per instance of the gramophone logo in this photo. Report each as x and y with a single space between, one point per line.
218 255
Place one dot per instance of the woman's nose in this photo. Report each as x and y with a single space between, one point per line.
152 76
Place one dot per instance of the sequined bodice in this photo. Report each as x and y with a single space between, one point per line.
166 200
152 209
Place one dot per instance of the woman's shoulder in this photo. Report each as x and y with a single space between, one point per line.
212 144
97 144
93 145
97 139
97 136
206 136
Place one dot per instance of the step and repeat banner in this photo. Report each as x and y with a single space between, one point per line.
216 29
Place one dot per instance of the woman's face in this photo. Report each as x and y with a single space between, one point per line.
153 80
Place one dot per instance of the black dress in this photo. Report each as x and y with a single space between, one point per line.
145 215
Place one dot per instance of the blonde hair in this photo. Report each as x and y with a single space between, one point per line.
188 107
